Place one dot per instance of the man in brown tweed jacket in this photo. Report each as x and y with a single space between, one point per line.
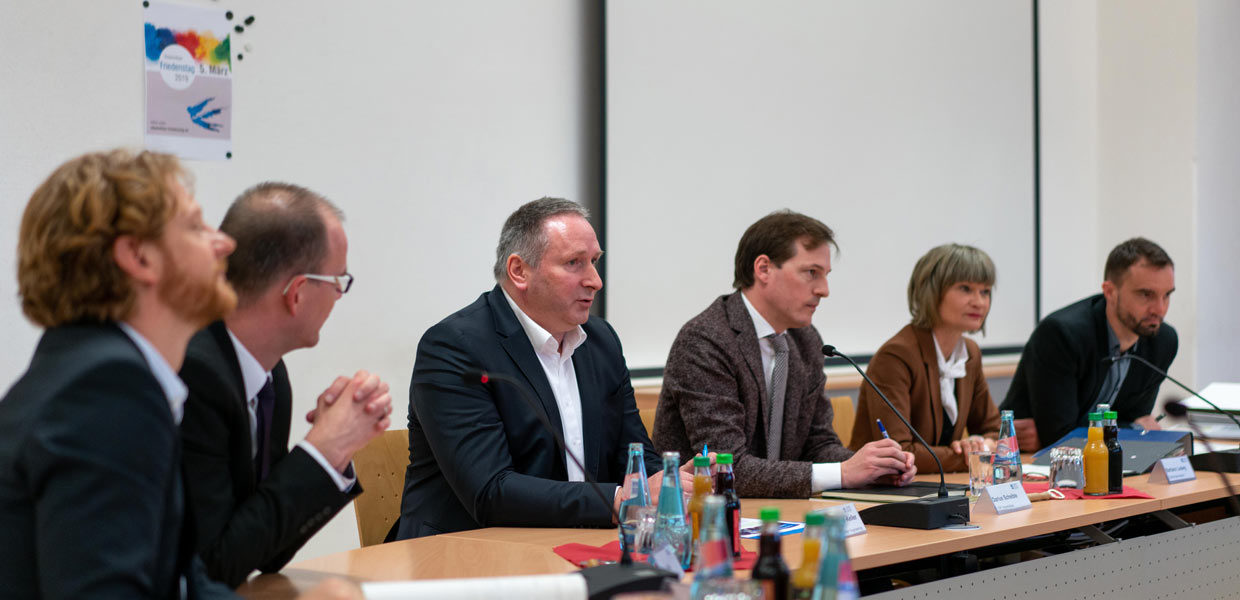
745 375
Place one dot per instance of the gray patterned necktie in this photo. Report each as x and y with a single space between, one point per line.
778 385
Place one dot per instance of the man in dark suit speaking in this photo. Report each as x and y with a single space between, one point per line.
114 260
478 455
256 501
1062 374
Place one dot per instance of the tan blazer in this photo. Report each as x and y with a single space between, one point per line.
907 371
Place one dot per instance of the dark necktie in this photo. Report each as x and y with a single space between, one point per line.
266 405
779 384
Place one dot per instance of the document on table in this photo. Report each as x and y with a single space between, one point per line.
751 529
571 586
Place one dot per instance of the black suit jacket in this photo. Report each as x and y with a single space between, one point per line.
1061 371
479 456
91 496
243 526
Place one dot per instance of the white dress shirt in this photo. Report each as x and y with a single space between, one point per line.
254 377
169 381
824 476
557 364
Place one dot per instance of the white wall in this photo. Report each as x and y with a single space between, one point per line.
1069 143
1146 118
427 122
1218 184
902 126
1141 138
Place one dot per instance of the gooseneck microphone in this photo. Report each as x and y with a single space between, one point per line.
1223 461
1154 368
830 350
926 513
1177 409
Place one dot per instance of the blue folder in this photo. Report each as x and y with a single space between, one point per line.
1142 448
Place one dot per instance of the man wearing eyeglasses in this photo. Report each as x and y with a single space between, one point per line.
257 501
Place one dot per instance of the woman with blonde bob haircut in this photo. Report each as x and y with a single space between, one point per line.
929 370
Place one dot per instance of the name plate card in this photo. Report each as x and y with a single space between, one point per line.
1173 470
1003 498
852 520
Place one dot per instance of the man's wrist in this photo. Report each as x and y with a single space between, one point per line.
338 459
344 478
826 476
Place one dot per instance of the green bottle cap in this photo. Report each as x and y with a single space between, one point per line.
1110 414
701 461
769 514
1095 416
723 459
815 518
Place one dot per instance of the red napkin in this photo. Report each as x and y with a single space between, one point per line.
580 553
1075 494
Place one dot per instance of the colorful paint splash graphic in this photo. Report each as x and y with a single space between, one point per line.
203 46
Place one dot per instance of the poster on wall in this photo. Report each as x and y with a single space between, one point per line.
188 81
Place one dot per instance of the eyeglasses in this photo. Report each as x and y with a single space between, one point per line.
342 282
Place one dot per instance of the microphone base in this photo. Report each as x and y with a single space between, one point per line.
606 581
1223 461
923 513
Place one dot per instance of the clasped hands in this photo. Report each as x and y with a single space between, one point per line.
341 428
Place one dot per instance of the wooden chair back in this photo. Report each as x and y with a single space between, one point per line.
648 420
842 421
380 468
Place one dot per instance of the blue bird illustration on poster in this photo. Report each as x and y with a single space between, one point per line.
200 118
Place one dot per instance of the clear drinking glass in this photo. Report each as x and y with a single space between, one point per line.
981 471
1067 468
637 529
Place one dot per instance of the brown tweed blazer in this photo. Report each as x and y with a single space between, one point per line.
714 391
907 371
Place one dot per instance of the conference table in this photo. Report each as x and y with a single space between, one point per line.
501 551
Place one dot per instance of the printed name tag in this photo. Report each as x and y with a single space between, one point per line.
1002 498
1173 470
852 520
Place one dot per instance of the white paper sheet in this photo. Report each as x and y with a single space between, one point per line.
533 587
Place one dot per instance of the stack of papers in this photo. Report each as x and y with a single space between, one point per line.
1213 425
1225 395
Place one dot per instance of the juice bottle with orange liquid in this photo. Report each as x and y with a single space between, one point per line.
801 583
1097 475
703 485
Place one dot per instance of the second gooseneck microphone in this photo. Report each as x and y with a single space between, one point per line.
924 513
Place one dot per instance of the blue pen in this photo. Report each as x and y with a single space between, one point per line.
882 429
705 452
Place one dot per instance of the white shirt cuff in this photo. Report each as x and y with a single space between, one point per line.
343 482
826 476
